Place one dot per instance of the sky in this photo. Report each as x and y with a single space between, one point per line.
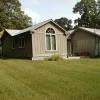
40 10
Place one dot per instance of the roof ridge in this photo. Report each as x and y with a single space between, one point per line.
32 28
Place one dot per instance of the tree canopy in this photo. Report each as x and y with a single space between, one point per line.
64 23
11 15
90 13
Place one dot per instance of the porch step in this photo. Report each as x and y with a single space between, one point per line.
73 57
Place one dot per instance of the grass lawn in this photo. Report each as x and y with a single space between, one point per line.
50 80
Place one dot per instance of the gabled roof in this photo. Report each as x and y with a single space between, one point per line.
32 28
12 32
90 30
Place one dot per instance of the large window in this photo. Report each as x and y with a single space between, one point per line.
18 42
50 39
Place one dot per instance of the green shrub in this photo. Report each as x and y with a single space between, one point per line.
55 58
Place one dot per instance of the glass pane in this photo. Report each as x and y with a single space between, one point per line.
50 30
23 42
19 43
48 42
14 44
53 42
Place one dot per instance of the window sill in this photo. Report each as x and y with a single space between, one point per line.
51 50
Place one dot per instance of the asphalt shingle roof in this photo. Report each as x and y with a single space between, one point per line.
12 32
32 28
92 30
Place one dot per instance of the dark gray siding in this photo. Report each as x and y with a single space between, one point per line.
9 51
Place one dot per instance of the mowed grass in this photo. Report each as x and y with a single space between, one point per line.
50 80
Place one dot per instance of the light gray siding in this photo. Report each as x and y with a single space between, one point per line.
39 42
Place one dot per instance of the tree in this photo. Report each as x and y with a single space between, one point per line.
64 23
11 15
98 6
90 13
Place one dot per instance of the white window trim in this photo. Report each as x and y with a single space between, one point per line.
51 42
21 43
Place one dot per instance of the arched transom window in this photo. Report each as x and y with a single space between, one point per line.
50 39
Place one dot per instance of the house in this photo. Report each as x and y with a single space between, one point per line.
37 42
84 42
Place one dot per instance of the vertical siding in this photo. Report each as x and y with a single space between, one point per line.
25 52
83 42
61 44
39 41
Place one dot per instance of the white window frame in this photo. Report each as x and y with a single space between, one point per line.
50 34
20 41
